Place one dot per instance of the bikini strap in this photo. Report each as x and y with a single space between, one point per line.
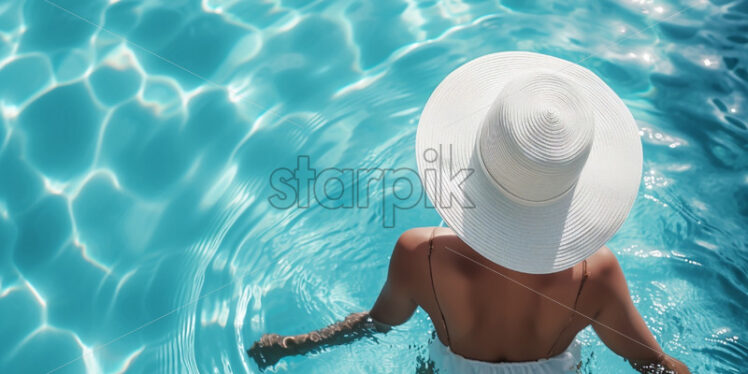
585 275
433 288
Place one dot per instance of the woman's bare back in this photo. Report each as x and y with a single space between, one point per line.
494 314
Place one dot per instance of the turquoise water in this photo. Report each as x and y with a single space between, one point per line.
137 141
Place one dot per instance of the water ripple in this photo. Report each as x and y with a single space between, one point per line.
136 233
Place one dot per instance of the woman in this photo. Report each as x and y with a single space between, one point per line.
553 160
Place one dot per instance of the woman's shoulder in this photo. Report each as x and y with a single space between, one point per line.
409 257
415 237
603 265
418 239
606 277
413 245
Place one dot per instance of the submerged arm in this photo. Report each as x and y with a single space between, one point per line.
272 347
394 306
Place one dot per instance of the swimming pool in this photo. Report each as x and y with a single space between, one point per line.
138 140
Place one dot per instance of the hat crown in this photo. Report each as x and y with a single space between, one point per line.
536 137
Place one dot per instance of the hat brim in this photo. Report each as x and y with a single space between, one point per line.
536 239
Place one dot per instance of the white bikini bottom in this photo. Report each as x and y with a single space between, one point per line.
447 362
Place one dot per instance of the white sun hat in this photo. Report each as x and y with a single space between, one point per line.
532 160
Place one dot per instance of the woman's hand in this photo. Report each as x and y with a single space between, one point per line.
271 348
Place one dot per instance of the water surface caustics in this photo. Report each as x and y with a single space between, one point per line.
137 140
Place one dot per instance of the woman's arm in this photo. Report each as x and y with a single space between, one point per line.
393 307
620 326
272 347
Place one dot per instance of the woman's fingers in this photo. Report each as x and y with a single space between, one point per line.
268 350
